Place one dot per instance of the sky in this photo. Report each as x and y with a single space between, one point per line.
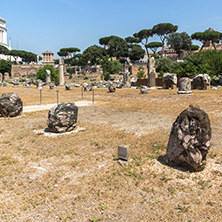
42 25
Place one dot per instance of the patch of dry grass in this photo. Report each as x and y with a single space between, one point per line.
76 177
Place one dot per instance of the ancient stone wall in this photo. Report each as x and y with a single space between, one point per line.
134 69
24 70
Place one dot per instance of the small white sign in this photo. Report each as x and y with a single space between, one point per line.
123 153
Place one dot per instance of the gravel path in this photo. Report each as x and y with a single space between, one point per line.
27 109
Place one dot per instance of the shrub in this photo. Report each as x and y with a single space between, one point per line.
140 74
40 74
86 77
106 76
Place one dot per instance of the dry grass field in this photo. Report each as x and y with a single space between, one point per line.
77 177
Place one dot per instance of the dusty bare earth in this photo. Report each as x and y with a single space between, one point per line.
76 177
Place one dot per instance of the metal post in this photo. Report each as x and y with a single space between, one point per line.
57 96
82 92
93 96
40 97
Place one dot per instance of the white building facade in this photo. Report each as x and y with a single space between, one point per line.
3 33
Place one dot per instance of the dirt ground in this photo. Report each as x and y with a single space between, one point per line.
77 177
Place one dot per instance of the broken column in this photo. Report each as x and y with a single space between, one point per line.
61 72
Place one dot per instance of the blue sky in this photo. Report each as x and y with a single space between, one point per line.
42 25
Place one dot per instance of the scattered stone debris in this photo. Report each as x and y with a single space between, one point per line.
144 89
189 140
68 86
52 86
111 88
62 117
10 105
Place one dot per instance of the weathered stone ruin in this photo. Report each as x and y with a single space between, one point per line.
144 89
152 73
169 80
27 83
200 81
189 140
15 83
62 117
10 105
184 86
5 84
48 76
68 86
39 84
86 87
111 88
52 86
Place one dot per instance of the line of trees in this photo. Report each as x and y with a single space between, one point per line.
134 47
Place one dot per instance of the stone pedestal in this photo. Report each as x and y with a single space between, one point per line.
152 79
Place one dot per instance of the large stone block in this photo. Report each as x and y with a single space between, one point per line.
201 81
169 80
189 140
10 105
62 117
184 86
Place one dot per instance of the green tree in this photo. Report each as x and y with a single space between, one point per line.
144 35
109 66
154 46
92 55
115 46
179 41
71 52
40 74
163 30
3 50
135 51
208 35
5 66
26 56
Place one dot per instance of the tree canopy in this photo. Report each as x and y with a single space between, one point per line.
163 30
144 35
208 35
115 46
93 54
26 56
68 51
3 50
179 41
154 46
136 53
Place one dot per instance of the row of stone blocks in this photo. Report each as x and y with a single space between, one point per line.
189 141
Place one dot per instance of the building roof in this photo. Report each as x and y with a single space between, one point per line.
48 52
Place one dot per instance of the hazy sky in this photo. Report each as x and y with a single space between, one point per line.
42 25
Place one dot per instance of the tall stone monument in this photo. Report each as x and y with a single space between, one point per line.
61 72
152 73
